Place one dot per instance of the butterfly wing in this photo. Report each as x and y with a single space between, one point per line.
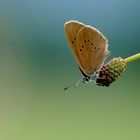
72 28
92 48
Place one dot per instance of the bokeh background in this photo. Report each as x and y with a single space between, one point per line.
36 64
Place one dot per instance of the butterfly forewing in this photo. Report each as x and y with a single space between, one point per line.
72 28
92 48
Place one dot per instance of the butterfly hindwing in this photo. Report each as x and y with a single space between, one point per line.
92 48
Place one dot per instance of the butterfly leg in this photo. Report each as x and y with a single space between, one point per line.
94 75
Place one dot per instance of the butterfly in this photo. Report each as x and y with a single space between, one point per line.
89 47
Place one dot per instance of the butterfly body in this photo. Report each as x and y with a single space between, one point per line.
89 78
89 47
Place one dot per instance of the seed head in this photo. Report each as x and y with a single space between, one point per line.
111 71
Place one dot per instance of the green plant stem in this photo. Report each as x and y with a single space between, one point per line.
132 58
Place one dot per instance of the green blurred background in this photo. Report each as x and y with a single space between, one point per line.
36 64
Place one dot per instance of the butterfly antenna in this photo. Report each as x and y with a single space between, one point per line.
78 81
69 86
74 84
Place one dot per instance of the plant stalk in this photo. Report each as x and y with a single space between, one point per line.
132 58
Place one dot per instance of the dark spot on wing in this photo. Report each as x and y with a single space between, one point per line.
91 43
80 50
82 46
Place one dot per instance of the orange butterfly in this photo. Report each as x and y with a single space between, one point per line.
89 47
